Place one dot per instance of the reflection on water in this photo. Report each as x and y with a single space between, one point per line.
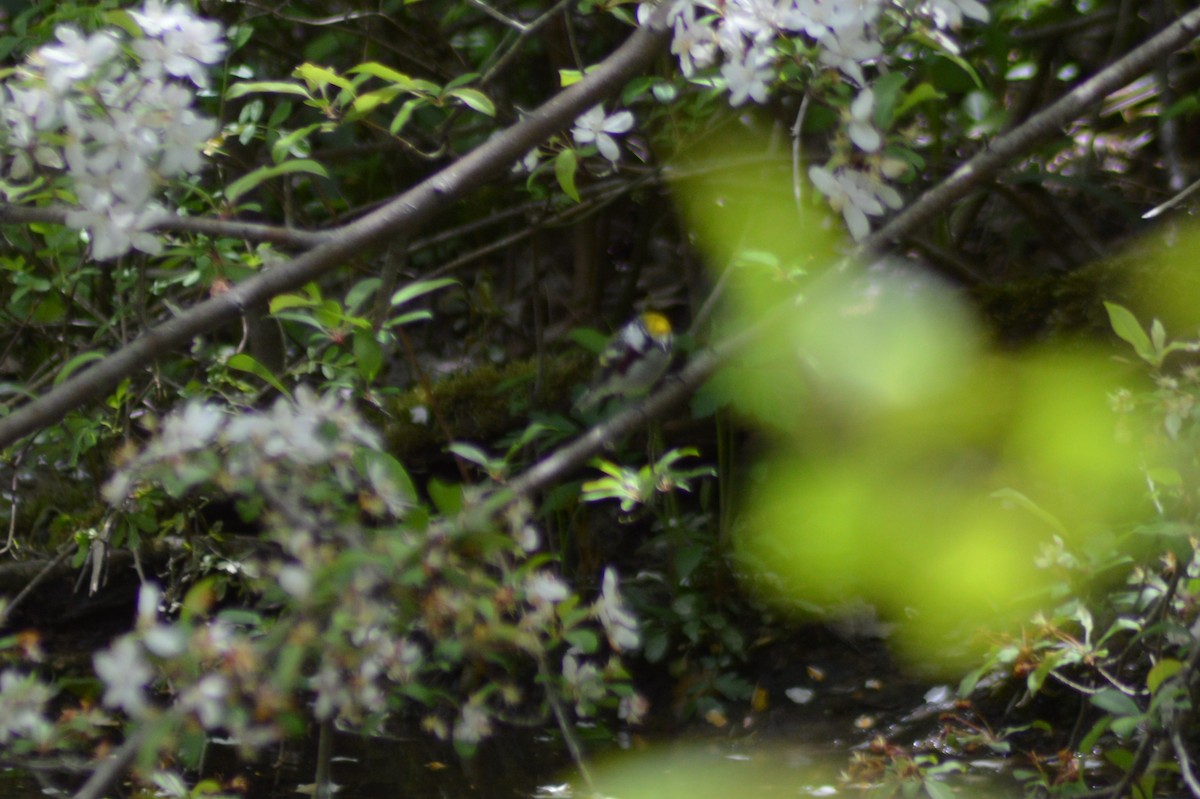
17 785
533 765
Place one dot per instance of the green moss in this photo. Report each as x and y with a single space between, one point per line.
480 405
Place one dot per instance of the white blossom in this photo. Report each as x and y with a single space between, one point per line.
595 127
748 77
156 18
25 114
694 43
193 428
526 165
857 194
646 10
119 127
473 724
862 128
177 42
296 580
527 537
125 674
950 13
633 708
619 624
818 18
77 57
332 693
749 21
207 700
165 641
583 680
116 229
848 51
543 588
404 659
23 700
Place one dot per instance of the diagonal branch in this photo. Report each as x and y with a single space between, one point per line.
1047 123
398 218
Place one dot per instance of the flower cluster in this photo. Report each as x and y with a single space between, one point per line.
376 599
738 43
306 431
23 705
213 665
117 116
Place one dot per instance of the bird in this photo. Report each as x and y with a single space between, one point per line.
632 362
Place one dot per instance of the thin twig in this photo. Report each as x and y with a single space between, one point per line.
498 16
109 771
797 154
64 550
1185 764
526 33
1174 201
565 727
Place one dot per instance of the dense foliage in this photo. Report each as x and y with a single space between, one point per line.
299 300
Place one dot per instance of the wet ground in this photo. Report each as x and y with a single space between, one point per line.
819 698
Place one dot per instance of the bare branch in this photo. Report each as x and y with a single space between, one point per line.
1039 127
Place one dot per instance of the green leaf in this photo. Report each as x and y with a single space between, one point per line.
407 319
564 169
70 367
368 354
1125 726
249 181
1113 701
1162 671
584 640
922 92
461 80
286 145
590 339
1126 326
405 113
398 79
887 90
446 497
654 644
320 77
1158 335
1037 677
1088 742
247 363
687 559
419 288
938 43
377 70
360 292
369 101
285 301
1022 501
938 789
471 454
474 99
269 86
389 478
